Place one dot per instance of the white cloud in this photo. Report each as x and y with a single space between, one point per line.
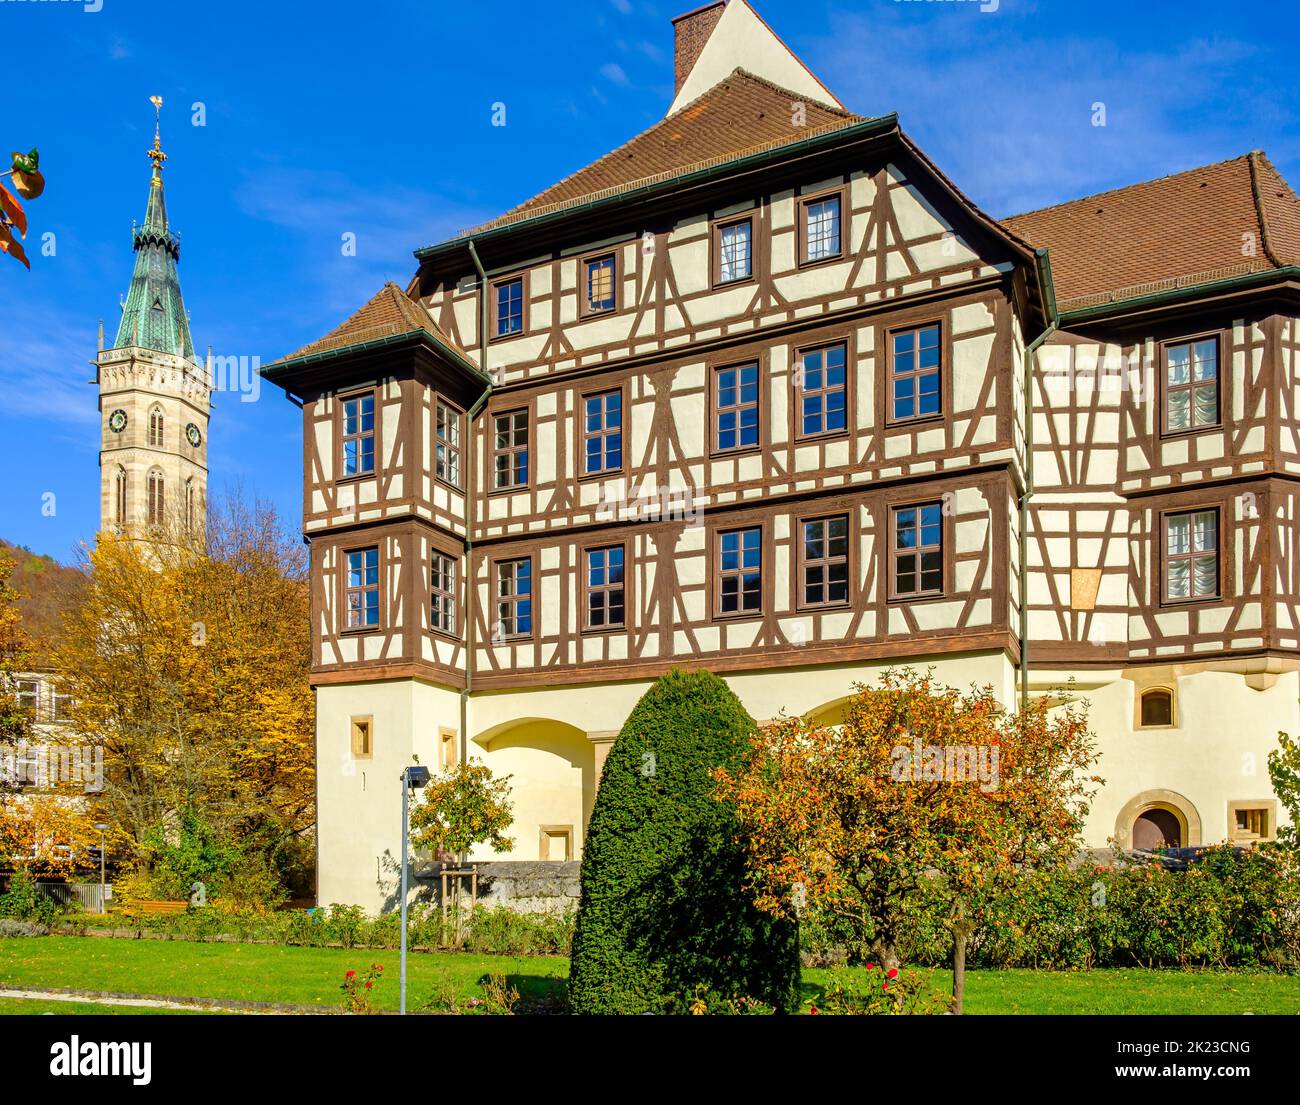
613 72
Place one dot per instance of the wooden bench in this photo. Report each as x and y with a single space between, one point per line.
139 909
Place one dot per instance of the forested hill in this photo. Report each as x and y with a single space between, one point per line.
45 588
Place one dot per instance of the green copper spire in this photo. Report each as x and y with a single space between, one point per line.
154 315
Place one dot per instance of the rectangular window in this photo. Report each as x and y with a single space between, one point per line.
362 597
29 697
914 386
605 588
510 450
61 704
362 738
448 753
918 550
509 307
598 280
447 455
821 219
359 435
514 598
442 593
735 413
823 393
740 571
826 561
1191 385
733 246
1192 556
602 432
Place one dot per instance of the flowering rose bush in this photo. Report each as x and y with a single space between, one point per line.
357 991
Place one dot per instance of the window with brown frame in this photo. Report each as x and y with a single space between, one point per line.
510 449
605 588
819 218
1191 385
735 407
514 598
915 390
599 282
823 391
508 307
1191 568
918 550
1157 707
156 427
733 250
739 571
602 432
825 555
358 434
361 591
442 593
447 452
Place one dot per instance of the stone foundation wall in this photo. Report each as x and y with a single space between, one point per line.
531 886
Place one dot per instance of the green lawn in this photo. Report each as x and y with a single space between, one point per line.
311 976
28 1006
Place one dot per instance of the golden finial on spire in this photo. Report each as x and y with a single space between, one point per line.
156 155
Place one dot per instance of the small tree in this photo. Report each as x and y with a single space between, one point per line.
463 806
665 913
921 787
1284 774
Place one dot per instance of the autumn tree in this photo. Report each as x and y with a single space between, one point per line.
921 788
187 658
462 807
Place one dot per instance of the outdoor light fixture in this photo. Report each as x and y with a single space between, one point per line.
412 778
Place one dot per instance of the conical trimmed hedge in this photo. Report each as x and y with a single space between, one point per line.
664 913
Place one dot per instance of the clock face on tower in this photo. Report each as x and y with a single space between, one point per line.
192 435
117 421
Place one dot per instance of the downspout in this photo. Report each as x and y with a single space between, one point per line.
1031 350
471 469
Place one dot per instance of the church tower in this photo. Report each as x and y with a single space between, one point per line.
154 396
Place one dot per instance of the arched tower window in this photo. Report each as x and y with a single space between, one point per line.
156 427
119 496
156 500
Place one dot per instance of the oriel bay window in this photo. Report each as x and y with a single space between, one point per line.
442 593
733 250
358 435
361 597
917 550
447 453
1191 566
740 571
602 432
598 275
605 588
825 555
823 394
735 407
510 449
1191 385
914 388
514 599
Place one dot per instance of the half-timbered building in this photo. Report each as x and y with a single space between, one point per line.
763 392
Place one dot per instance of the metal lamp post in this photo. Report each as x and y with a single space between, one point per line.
103 904
412 779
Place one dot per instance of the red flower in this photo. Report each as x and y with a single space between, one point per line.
814 1010
369 984
351 974
871 966
893 972
379 969
883 985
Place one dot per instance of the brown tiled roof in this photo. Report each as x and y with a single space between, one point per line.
1176 231
741 114
389 313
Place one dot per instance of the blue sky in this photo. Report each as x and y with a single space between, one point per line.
374 119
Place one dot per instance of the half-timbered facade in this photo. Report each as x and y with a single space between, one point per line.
751 394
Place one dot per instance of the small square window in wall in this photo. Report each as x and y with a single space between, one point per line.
1191 556
735 411
599 282
556 843
359 435
362 738
508 317
361 599
1191 385
448 753
733 245
1157 708
914 389
1250 822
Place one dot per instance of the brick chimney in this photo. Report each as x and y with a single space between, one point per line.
691 32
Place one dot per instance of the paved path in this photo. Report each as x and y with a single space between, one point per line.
160 1001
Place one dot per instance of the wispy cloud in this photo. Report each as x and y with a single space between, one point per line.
45 369
614 73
